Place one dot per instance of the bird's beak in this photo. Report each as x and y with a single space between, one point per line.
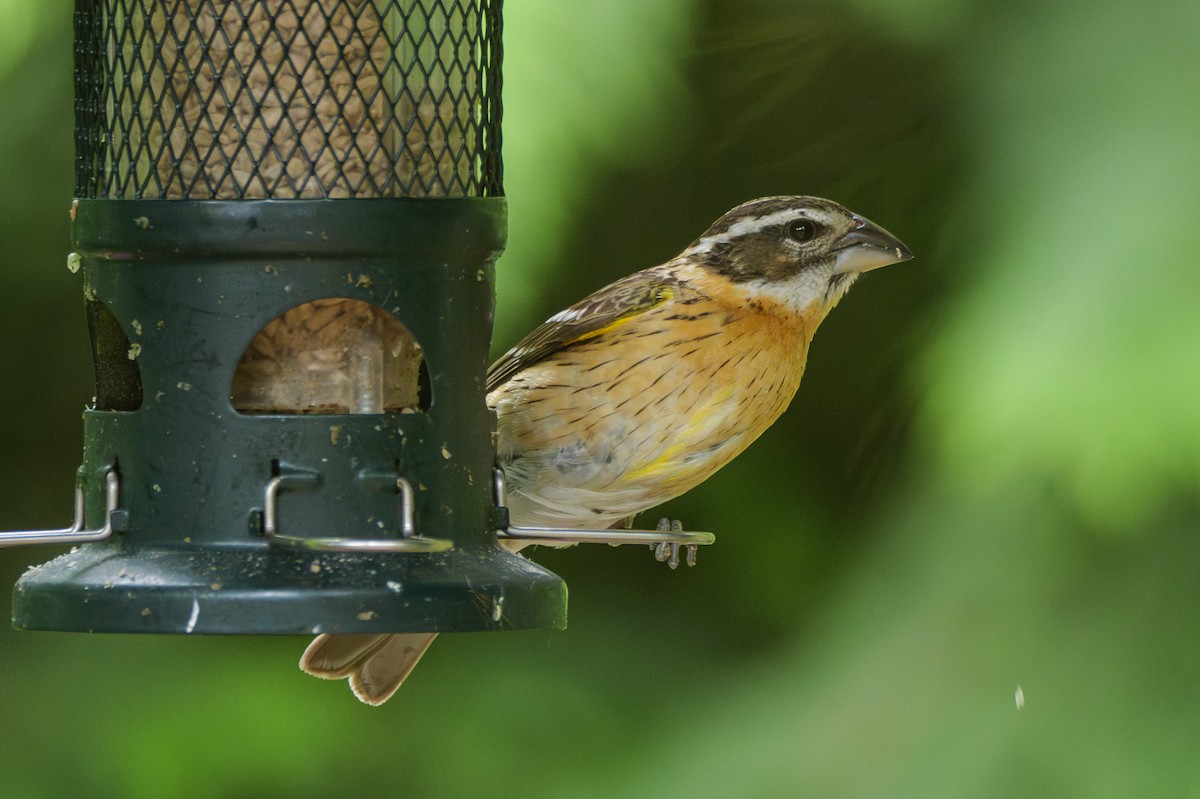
867 247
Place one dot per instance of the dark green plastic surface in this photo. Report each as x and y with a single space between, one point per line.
191 283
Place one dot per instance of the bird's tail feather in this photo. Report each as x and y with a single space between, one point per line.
377 665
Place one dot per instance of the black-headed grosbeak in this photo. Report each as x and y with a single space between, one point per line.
645 388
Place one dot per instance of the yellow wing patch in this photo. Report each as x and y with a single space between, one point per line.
593 316
662 295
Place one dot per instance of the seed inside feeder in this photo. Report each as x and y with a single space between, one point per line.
332 356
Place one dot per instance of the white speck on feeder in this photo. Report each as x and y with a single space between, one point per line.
1019 696
394 586
73 262
137 327
445 452
192 619
366 615
135 350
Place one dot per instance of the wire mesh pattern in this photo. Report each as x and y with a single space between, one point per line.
253 99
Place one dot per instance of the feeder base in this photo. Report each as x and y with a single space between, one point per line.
106 587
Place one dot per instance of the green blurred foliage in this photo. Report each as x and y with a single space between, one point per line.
990 477
1076 354
578 83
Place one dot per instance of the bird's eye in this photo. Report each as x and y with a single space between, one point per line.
801 230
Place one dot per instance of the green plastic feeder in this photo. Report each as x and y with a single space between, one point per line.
250 466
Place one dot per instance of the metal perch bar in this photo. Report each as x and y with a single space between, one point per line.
75 534
667 541
408 542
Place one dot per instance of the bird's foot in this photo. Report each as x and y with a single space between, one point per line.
667 552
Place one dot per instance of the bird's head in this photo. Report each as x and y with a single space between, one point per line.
803 252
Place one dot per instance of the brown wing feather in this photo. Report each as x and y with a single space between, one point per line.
612 305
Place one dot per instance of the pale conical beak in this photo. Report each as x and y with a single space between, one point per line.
867 247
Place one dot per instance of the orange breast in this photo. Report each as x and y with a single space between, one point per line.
622 422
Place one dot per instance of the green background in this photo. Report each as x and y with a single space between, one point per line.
989 478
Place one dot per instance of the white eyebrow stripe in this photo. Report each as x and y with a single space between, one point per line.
743 227
756 224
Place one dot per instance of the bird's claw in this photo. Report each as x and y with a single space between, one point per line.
668 552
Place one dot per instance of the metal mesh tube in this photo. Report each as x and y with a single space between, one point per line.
291 99
255 99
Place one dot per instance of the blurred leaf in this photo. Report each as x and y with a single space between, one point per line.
907 685
1074 354
22 23
582 81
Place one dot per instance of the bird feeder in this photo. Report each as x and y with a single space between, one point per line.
286 222
287 217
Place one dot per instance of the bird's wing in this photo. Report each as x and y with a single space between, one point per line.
597 313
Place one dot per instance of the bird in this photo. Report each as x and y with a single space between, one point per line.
643 389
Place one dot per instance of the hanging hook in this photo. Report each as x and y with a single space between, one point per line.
75 534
